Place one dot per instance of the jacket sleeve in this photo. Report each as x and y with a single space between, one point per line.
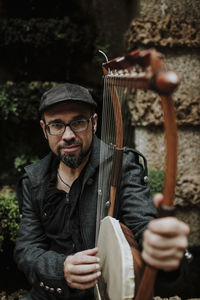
171 283
42 267
136 206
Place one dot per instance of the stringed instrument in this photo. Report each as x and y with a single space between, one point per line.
123 77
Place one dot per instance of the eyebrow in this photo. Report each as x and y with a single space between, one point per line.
55 121
73 119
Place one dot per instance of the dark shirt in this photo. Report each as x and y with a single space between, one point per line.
62 222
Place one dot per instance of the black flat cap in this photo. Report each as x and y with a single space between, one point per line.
65 92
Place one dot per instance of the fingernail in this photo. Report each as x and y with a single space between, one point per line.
98 273
98 259
97 266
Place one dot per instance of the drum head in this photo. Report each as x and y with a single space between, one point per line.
116 260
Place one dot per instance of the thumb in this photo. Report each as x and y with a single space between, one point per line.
158 199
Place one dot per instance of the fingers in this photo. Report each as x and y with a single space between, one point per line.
169 226
85 257
164 243
167 261
158 199
83 282
81 270
92 251
163 253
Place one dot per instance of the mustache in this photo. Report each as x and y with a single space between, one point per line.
69 143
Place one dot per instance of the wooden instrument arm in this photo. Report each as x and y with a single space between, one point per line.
145 291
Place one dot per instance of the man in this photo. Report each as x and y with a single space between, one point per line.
58 198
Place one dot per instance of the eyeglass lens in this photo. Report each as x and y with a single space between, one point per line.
76 126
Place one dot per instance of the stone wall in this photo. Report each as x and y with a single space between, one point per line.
173 28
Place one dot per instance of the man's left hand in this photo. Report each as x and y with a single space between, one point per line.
164 242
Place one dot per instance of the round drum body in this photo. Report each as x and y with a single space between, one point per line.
116 260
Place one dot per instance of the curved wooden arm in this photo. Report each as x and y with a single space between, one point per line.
171 153
145 291
165 82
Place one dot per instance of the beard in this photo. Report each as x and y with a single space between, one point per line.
71 160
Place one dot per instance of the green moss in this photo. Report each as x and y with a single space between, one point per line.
38 32
156 180
20 101
9 215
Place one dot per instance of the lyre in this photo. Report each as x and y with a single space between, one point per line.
138 70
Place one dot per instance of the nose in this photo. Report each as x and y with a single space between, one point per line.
68 134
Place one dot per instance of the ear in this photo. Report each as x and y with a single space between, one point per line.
95 118
42 124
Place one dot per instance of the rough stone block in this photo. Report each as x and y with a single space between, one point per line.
145 107
184 8
151 142
191 216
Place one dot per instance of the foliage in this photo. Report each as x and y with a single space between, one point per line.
47 8
23 160
46 48
20 145
9 215
6 106
20 101
38 32
156 180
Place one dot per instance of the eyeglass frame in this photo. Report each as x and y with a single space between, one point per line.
69 124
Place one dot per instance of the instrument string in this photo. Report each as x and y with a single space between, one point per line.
112 128
107 129
129 141
113 85
102 154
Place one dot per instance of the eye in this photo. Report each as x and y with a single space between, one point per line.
56 126
78 123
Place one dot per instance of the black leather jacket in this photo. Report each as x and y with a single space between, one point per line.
34 251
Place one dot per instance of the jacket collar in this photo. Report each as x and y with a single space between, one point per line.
38 171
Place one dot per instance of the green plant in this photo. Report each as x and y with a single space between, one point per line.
20 101
156 180
9 215
7 105
23 160
38 32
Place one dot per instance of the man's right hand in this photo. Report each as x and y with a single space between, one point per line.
81 270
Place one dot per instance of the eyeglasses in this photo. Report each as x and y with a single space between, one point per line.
58 128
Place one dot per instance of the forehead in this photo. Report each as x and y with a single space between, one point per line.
68 108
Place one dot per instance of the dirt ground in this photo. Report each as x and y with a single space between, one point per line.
18 294
14 296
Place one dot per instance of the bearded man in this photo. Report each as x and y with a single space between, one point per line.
55 247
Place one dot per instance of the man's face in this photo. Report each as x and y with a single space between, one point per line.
72 148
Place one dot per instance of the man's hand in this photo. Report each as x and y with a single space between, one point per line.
165 241
81 270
